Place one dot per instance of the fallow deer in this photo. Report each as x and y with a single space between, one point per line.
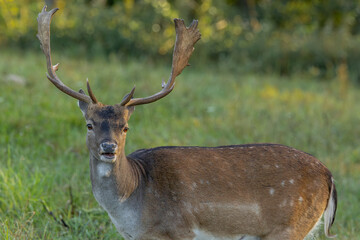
252 191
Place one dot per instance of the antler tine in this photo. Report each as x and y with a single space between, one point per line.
91 94
186 37
127 97
44 20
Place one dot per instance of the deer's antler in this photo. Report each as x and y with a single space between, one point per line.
186 37
44 20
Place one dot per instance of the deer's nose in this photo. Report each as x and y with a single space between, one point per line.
108 147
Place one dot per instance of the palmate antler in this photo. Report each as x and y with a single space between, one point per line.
44 20
186 37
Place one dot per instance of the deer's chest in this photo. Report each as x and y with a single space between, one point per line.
126 221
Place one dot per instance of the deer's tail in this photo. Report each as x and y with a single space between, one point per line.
330 211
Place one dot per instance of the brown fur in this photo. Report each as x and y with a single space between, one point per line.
231 175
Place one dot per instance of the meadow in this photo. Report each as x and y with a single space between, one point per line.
45 190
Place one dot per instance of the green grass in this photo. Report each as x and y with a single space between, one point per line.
44 160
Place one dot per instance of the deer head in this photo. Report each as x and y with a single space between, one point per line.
107 124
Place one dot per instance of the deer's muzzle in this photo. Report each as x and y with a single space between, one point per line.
108 151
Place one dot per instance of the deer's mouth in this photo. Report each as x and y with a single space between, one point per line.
108 156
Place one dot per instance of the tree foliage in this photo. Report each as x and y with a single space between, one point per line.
281 36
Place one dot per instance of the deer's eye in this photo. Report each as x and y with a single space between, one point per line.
89 126
125 129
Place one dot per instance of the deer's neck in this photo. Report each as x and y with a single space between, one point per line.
118 189
115 181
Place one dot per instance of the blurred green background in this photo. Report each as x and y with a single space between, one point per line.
264 71
281 36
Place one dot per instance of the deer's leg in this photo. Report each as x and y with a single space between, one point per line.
284 234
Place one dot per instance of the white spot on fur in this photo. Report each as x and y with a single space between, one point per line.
283 203
283 183
291 181
196 209
272 191
188 207
300 199
156 194
104 169
277 166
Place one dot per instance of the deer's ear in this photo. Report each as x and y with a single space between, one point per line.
131 110
83 105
